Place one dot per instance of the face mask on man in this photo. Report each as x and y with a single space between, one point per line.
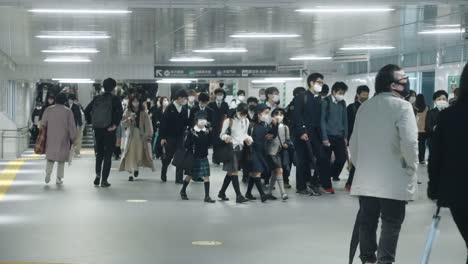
241 98
406 88
262 97
265 118
165 103
318 88
276 98
219 98
339 97
280 118
441 105
191 99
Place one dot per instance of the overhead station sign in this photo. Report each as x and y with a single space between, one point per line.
222 72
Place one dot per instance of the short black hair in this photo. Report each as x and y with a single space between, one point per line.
339 86
385 77
191 92
362 89
242 108
61 98
219 90
261 90
298 90
325 89
413 92
109 84
463 92
180 93
240 92
252 100
314 77
271 90
439 94
71 97
203 97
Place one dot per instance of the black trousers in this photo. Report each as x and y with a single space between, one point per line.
329 170
173 144
422 138
303 169
104 147
460 216
392 213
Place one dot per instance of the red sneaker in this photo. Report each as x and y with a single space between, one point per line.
330 191
348 187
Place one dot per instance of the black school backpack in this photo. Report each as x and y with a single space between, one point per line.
101 114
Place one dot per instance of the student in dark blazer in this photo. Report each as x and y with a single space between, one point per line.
432 118
220 112
173 126
447 161
202 105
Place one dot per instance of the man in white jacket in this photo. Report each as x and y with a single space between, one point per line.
384 150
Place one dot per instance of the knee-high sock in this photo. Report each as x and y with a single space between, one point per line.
272 184
235 184
258 183
250 185
280 181
227 181
207 189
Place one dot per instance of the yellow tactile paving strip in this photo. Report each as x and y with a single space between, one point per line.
8 174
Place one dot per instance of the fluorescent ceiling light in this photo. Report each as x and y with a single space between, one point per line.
368 48
71 59
443 31
345 10
222 50
266 81
454 25
73 36
71 51
310 58
71 80
177 80
79 11
265 35
190 59
284 79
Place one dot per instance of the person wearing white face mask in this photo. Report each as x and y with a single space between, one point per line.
220 110
441 103
273 97
261 96
334 125
139 132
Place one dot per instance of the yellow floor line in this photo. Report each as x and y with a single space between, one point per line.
7 176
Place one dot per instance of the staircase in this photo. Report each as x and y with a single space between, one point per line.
88 137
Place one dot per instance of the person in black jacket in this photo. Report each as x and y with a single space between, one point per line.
35 118
361 96
447 161
441 102
220 112
105 138
202 105
49 102
306 122
76 110
173 126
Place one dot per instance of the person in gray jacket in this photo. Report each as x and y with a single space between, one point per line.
384 149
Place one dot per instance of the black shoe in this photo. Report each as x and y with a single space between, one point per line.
271 197
184 196
264 198
179 182
105 184
336 179
163 178
97 181
223 197
136 173
250 197
304 192
314 190
287 186
130 178
241 199
209 200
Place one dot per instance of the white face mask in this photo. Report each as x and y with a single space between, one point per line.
339 97
158 105
262 97
70 103
280 119
165 103
318 88
441 105
265 118
233 105
191 99
412 99
219 98
136 105
241 98
276 98
202 123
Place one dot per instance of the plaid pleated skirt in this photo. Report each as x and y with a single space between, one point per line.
201 168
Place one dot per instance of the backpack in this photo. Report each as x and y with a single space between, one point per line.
101 115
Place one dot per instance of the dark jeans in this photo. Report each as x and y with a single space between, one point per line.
392 213
460 216
173 144
422 138
351 176
329 170
303 169
104 147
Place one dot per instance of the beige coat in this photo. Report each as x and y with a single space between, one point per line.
421 119
146 133
61 132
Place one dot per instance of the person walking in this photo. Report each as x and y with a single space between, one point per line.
220 110
384 149
139 132
105 113
76 110
447 160
421 112
61 132
441 103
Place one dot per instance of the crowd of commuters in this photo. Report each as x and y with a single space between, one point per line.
382 137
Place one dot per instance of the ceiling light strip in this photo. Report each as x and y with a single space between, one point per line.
443 31
221 50
265 35
73 37
71 51
300 58
345 10
368 48
79 11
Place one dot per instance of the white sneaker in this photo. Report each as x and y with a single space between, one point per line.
59 181
284 197
78 156
47 179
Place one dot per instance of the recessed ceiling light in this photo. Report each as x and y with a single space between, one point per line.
265 35
310 58
266 81
79 11
454 25
345 10
191 59
71 59
368 48
73 36
221 50
71 51
284 79
72 80
176 80
443 31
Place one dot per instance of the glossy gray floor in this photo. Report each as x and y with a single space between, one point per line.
78 223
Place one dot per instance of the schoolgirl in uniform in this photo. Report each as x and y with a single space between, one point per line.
198 141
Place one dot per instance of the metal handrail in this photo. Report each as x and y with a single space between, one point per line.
24 130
